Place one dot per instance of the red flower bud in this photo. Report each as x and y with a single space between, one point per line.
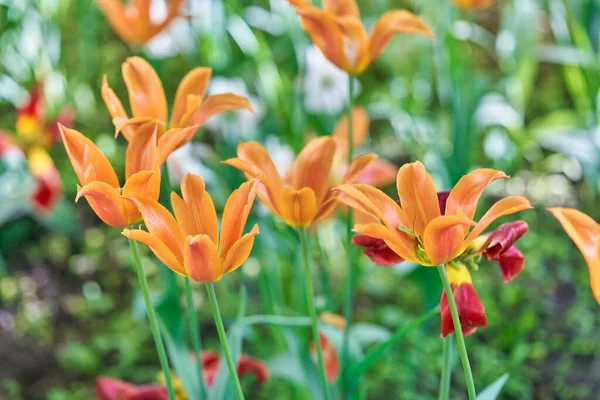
471 311
377 250
500 247
246 365
115 389
511 263
330 357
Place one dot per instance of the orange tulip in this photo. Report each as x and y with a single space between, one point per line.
585 232
304 196
379 172
149 103
339 33
330 357
416 230
189 242
100 185
473 3
132 22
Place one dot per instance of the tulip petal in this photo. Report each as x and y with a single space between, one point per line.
146 93
358 166
392 22
356 43
170 141
83 153
401 243
115 107
195 213
116 15
585 233
376 249
201 260
240 251
342 8
194 83
511 263
468 190
418 196
106 203
443 238
360 128
235 215
140 184
160 223
506 206
378 173
313 167
213 105
131 125
250 365
160 250
298 208
141 149
471 312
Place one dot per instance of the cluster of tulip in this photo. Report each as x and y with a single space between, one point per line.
423 226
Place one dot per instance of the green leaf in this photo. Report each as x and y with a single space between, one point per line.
493 391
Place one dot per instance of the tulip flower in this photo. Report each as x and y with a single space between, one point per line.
585 232
377 173
189 242
303 197
340 35
330 357
132 21
470 4
416 230
100 185
115 389
246 365
149 104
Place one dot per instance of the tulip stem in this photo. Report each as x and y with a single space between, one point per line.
160 347
349 301
446 369
212 297
460 339
194 332
311 309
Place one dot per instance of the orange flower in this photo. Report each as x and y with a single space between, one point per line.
379 172
100 185
304 197
473 3
149 103
339 33
585 232
189 242
330 357
417 231
132 22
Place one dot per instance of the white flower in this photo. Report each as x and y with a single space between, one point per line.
325 85
187 159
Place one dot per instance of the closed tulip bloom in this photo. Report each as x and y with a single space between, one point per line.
304 196
330 357
246 365
585 232
132 20
500 247
189 242
148 101
473 3
338 32
99 182
115 389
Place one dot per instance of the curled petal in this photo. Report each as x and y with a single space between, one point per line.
170 141
392 22
140 184
443 238
418 196
195 213
213 105
160 250
240 251
471 311
235 215
372 201
201 260
194 83
146 93
131 125
506 206
359 166
106 203
401 243
502 238
377 250
141 149
511 263
254 366
298 208
313 167
585 232
115 107
83 153
468 190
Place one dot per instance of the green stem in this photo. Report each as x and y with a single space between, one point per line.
160 347
324 274
349 300
446 370
212 296
311 309
460 339
195 333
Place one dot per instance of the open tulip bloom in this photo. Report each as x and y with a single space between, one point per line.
148 102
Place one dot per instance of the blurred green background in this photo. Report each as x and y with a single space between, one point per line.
513 87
